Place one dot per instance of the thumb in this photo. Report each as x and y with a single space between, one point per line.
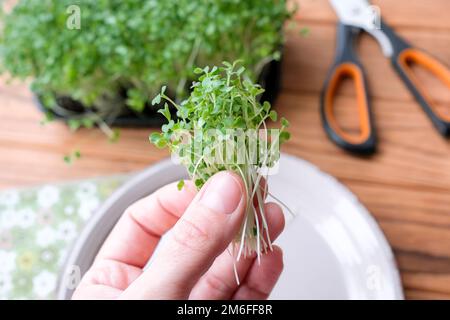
204 231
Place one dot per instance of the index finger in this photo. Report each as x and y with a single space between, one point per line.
137 233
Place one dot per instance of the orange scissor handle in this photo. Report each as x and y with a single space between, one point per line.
347 65
402 57
353 71
410 56
365 141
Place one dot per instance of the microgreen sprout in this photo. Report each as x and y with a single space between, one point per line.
70 158
222 126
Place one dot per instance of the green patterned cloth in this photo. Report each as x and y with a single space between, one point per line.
37 228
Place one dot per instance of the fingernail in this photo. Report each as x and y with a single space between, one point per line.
223 193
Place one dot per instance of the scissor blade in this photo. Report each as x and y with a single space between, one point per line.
358 13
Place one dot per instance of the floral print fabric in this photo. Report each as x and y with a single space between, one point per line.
37 228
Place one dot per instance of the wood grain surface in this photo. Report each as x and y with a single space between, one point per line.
406 185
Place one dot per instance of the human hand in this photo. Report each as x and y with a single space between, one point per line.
192 262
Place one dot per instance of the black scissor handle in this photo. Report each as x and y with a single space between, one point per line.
403 56
347 65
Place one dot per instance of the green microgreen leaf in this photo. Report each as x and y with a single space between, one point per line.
48 117
304 32
156 100
74 124
273 115
115 136
87 122
70 158
136 100
199 183
165 112
284 136
67 159
154 137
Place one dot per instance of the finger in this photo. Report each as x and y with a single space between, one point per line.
209 224
138 231
262 277
219 282
96 292
106 280
132 241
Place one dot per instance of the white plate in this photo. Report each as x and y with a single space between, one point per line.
333 248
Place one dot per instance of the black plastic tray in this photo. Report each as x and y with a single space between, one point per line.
270 80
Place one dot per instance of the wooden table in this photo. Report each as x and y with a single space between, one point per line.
406 185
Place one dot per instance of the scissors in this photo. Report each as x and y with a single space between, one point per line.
356 16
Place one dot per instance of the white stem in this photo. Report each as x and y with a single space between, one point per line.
283 204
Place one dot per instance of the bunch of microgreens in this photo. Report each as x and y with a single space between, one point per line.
223 101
